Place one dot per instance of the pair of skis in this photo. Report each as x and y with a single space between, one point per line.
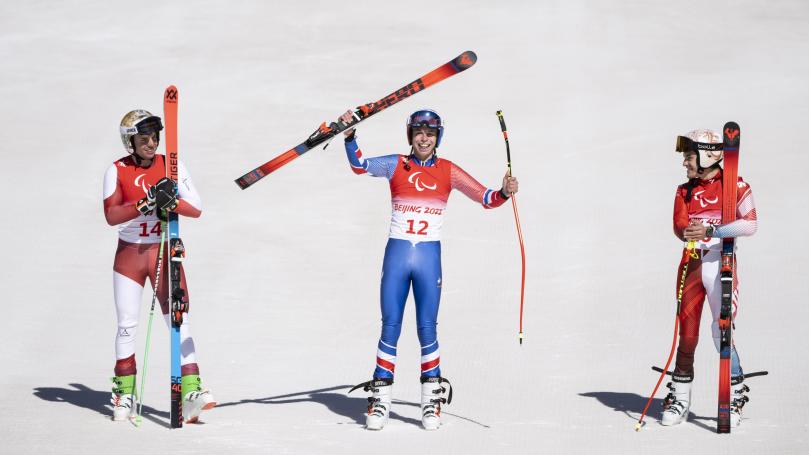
326 133
731 137
176 294
176 250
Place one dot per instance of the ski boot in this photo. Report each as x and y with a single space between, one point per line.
431 400
737 400
678 401
378 402
195 400
123 397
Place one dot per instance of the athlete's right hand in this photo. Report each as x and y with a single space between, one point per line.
146 205
164 193
345 118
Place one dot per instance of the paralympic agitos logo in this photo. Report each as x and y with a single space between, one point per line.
420 186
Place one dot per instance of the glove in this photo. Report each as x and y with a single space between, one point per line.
164 194
146 205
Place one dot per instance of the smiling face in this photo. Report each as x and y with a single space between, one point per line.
145 145
424 141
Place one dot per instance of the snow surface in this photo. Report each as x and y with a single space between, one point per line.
284 276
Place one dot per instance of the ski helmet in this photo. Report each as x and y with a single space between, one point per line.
707 144
138 121
428 118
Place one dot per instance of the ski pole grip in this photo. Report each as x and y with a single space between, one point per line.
502 121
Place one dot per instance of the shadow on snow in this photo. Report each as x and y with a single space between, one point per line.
94 400
340 404
631 405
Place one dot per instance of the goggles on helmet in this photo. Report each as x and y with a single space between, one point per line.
425 118
685 144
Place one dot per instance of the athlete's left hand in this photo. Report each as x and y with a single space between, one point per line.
510 185
164 193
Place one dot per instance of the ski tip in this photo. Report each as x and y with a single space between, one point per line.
136 420
638 426
521 337
465 60
730 134
170 95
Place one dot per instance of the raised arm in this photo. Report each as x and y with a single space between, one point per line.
382 166
487 197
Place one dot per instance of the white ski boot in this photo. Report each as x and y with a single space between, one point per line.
677 403
194 403
123 397
737 400
378 402
123 406
195 398
431 400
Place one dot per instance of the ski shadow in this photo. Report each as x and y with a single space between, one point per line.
338 403
632 404
94 400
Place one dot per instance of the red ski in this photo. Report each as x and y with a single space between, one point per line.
730 170
326 132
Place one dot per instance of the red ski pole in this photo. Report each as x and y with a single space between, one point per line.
688 253
516 220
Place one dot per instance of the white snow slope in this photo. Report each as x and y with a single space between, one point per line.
284 276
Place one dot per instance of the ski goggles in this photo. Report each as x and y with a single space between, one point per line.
425 118
148 125
685 144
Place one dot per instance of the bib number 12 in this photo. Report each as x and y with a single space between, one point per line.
423 225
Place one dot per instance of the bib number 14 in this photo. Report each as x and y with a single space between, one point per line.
145 232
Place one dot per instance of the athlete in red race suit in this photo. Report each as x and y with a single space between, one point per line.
128 182
698 218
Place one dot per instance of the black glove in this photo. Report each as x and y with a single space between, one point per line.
164 194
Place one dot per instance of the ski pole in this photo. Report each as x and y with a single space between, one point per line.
688 254
516 220
138 419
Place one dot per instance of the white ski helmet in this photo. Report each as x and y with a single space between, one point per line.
138 121
707 144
